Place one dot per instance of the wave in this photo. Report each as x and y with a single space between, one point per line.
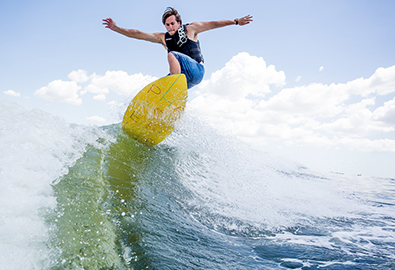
84 197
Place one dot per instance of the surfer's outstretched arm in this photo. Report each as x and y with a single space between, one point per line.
199 27
134 33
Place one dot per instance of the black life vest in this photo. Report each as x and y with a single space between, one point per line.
179 42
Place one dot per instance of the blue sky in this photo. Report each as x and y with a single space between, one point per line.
321 82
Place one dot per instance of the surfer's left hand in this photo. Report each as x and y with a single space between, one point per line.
245 20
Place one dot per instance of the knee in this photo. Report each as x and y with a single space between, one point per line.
175 67
171 56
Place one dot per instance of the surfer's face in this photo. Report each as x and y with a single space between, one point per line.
172 25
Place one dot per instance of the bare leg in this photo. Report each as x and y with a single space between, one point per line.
174 65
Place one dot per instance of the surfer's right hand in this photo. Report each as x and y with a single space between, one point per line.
109 23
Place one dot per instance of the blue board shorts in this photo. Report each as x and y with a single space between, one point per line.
192 70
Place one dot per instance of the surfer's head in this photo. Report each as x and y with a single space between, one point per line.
172 20
169 12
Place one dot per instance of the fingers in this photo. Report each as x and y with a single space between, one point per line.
245 20
109 23
248 18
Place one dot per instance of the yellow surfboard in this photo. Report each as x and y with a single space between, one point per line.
153 112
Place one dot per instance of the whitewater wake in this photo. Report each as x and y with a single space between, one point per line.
85 197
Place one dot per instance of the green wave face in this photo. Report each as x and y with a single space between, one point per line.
96 219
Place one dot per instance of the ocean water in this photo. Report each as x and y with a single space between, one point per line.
85 197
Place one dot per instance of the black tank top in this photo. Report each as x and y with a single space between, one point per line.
179 42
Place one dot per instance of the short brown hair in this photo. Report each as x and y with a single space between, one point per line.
169 12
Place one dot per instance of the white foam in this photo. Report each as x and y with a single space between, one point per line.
36 149
230 180
238 191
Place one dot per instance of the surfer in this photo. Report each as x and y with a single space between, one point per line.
181 42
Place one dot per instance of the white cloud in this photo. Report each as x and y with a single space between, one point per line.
61 91
99 97
12 93
367 145
334 115
236 98
358 121
312 100
115 104
382 82
117 81
321 68
97 119
79 76
230 97
242 76
386 113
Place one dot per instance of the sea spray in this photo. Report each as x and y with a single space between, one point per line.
232 181
36 150
199 200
